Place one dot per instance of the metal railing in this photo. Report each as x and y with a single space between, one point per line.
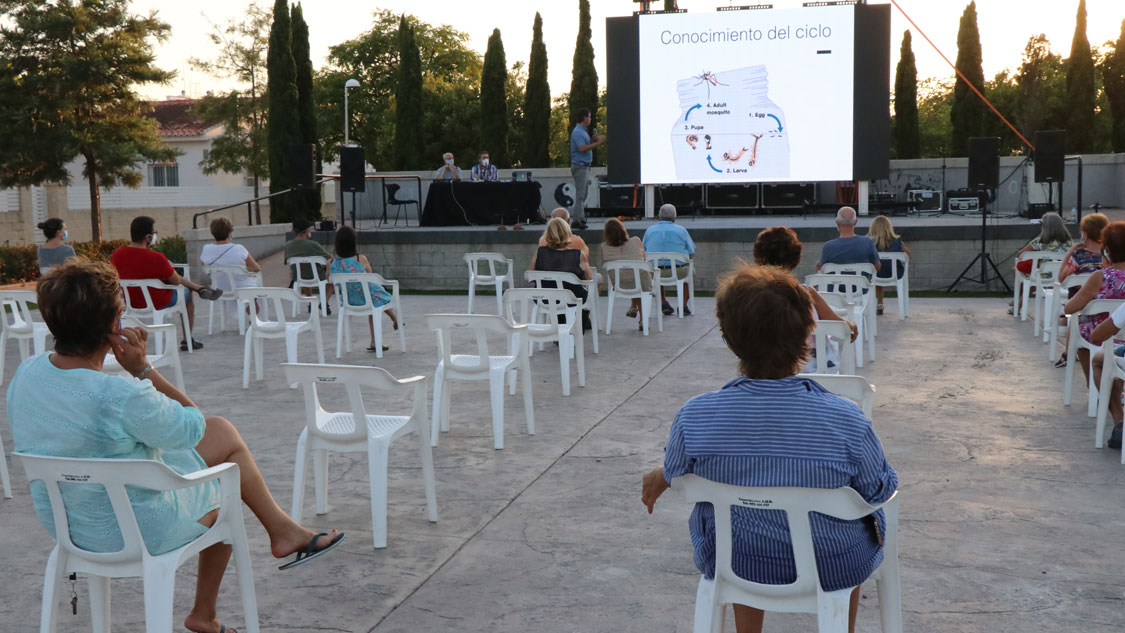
250 204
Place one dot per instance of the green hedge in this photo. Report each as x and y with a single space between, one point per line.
21 263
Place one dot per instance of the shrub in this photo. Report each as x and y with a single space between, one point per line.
18 264
21 263
174 248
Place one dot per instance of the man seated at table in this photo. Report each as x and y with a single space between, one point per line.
668 237
576 240
483 171
448 171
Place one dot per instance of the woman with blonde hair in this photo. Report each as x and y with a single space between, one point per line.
882 232
556 255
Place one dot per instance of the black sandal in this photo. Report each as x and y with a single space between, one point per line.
311 552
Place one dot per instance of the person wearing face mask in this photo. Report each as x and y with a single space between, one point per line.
448 171
53 251
483 171
137 261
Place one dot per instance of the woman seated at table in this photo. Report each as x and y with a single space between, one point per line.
61 404
770 428
557 256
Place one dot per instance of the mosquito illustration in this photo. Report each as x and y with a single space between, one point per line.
754 154
711 80
692 139
707 140
733 158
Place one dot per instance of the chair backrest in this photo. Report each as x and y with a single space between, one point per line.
854 388
392 189
15 305
343 281
267 306
493 261
225 277
841 503
183 270
142 286
851 286
1072 281
866 270
161 337
1049 271
537 277
842 333
1037 258
312 262
614 269
658 258
352 378
547 304
480 325
897 259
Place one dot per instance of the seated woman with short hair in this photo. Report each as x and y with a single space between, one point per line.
60 404
770 427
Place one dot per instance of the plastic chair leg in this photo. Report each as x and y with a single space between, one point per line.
472 293
496 393
680 287
245 575
291 347
320 480
580 358
609 312
500 296
646 310
708 614
528 407
99 603
1026 298
341 324
52 589
299 464
246 359
659 312
318 337
832 611
401 327
428 479
259 370
159 582
435 419
377 472
3 352
566 344
377 328
890 597
445 406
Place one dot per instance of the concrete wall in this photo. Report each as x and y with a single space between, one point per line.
262 241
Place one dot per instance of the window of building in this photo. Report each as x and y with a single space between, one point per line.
164 175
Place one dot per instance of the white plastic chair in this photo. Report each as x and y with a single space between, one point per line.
1074 342
226 277
5 480
165 351
854 388
538 277
670 278
495 277
264 302
16 323
1113 368
133 560
1022 284
156 316
805 594
615 288
528 306
1055 312
337 431
479 366
183 270
841 332
853 288
900 284
312 280
367 309
1048 289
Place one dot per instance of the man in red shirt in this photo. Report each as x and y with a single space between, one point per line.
136 261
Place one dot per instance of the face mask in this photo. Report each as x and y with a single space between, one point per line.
484 162
153 237
65 235
449 161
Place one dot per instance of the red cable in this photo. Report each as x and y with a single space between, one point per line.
962 76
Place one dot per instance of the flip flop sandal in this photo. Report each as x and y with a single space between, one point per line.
210 294
311 552
194 345
386 348
1061 362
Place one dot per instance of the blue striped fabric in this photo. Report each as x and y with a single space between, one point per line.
787 432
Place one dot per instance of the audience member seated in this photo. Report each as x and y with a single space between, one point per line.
226 253
557 255
1106 329
618 245
53 251
61 404
137 261
769 427
483 171
668 237
882 233
448 171
1105 283
1083 258
1053 238
849 248
576 240
302 246
349 260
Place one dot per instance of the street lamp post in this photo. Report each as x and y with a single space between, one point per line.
351 83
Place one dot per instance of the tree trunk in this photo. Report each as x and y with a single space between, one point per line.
95 200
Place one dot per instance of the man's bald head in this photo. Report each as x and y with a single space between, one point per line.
561 212
846 216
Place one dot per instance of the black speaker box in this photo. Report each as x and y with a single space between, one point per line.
732 196
1050 155
352 169
984 162
681 196
302 165
621 197
788 195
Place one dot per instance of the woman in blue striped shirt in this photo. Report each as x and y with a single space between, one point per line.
771 428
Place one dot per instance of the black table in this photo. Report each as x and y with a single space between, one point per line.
461 203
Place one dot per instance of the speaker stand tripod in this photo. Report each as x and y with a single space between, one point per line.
983 257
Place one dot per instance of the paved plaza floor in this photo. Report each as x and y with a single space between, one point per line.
1011 520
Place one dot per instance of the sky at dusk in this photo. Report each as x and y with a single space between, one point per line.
1005 26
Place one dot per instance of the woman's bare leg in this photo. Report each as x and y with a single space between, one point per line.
371 330
212 563
879 290
1084 360
393 317
749 620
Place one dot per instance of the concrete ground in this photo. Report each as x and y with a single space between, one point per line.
1011 520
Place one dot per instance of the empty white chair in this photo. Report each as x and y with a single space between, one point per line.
366 309
854 388
498 273
158 573
337 431
1055 313
530 305
165 352
479 366
551 279
16 324
306 279
1022 284
827 331
853 288
144 311
1075 342
1048 288
900 284
266 302
613 270
226 277
805 594
670 278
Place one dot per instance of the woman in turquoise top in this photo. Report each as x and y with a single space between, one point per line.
61 404
348 260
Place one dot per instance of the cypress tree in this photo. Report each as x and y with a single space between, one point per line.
584 77
1113 77
408 101
306 113
1080 93
282 124
537 103
906 102
968 111
670 5
494 101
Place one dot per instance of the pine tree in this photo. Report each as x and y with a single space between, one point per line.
494 101
306 113
906 102
1080 92
408 101
968 111
537 103
283 123
584 76
1113 77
